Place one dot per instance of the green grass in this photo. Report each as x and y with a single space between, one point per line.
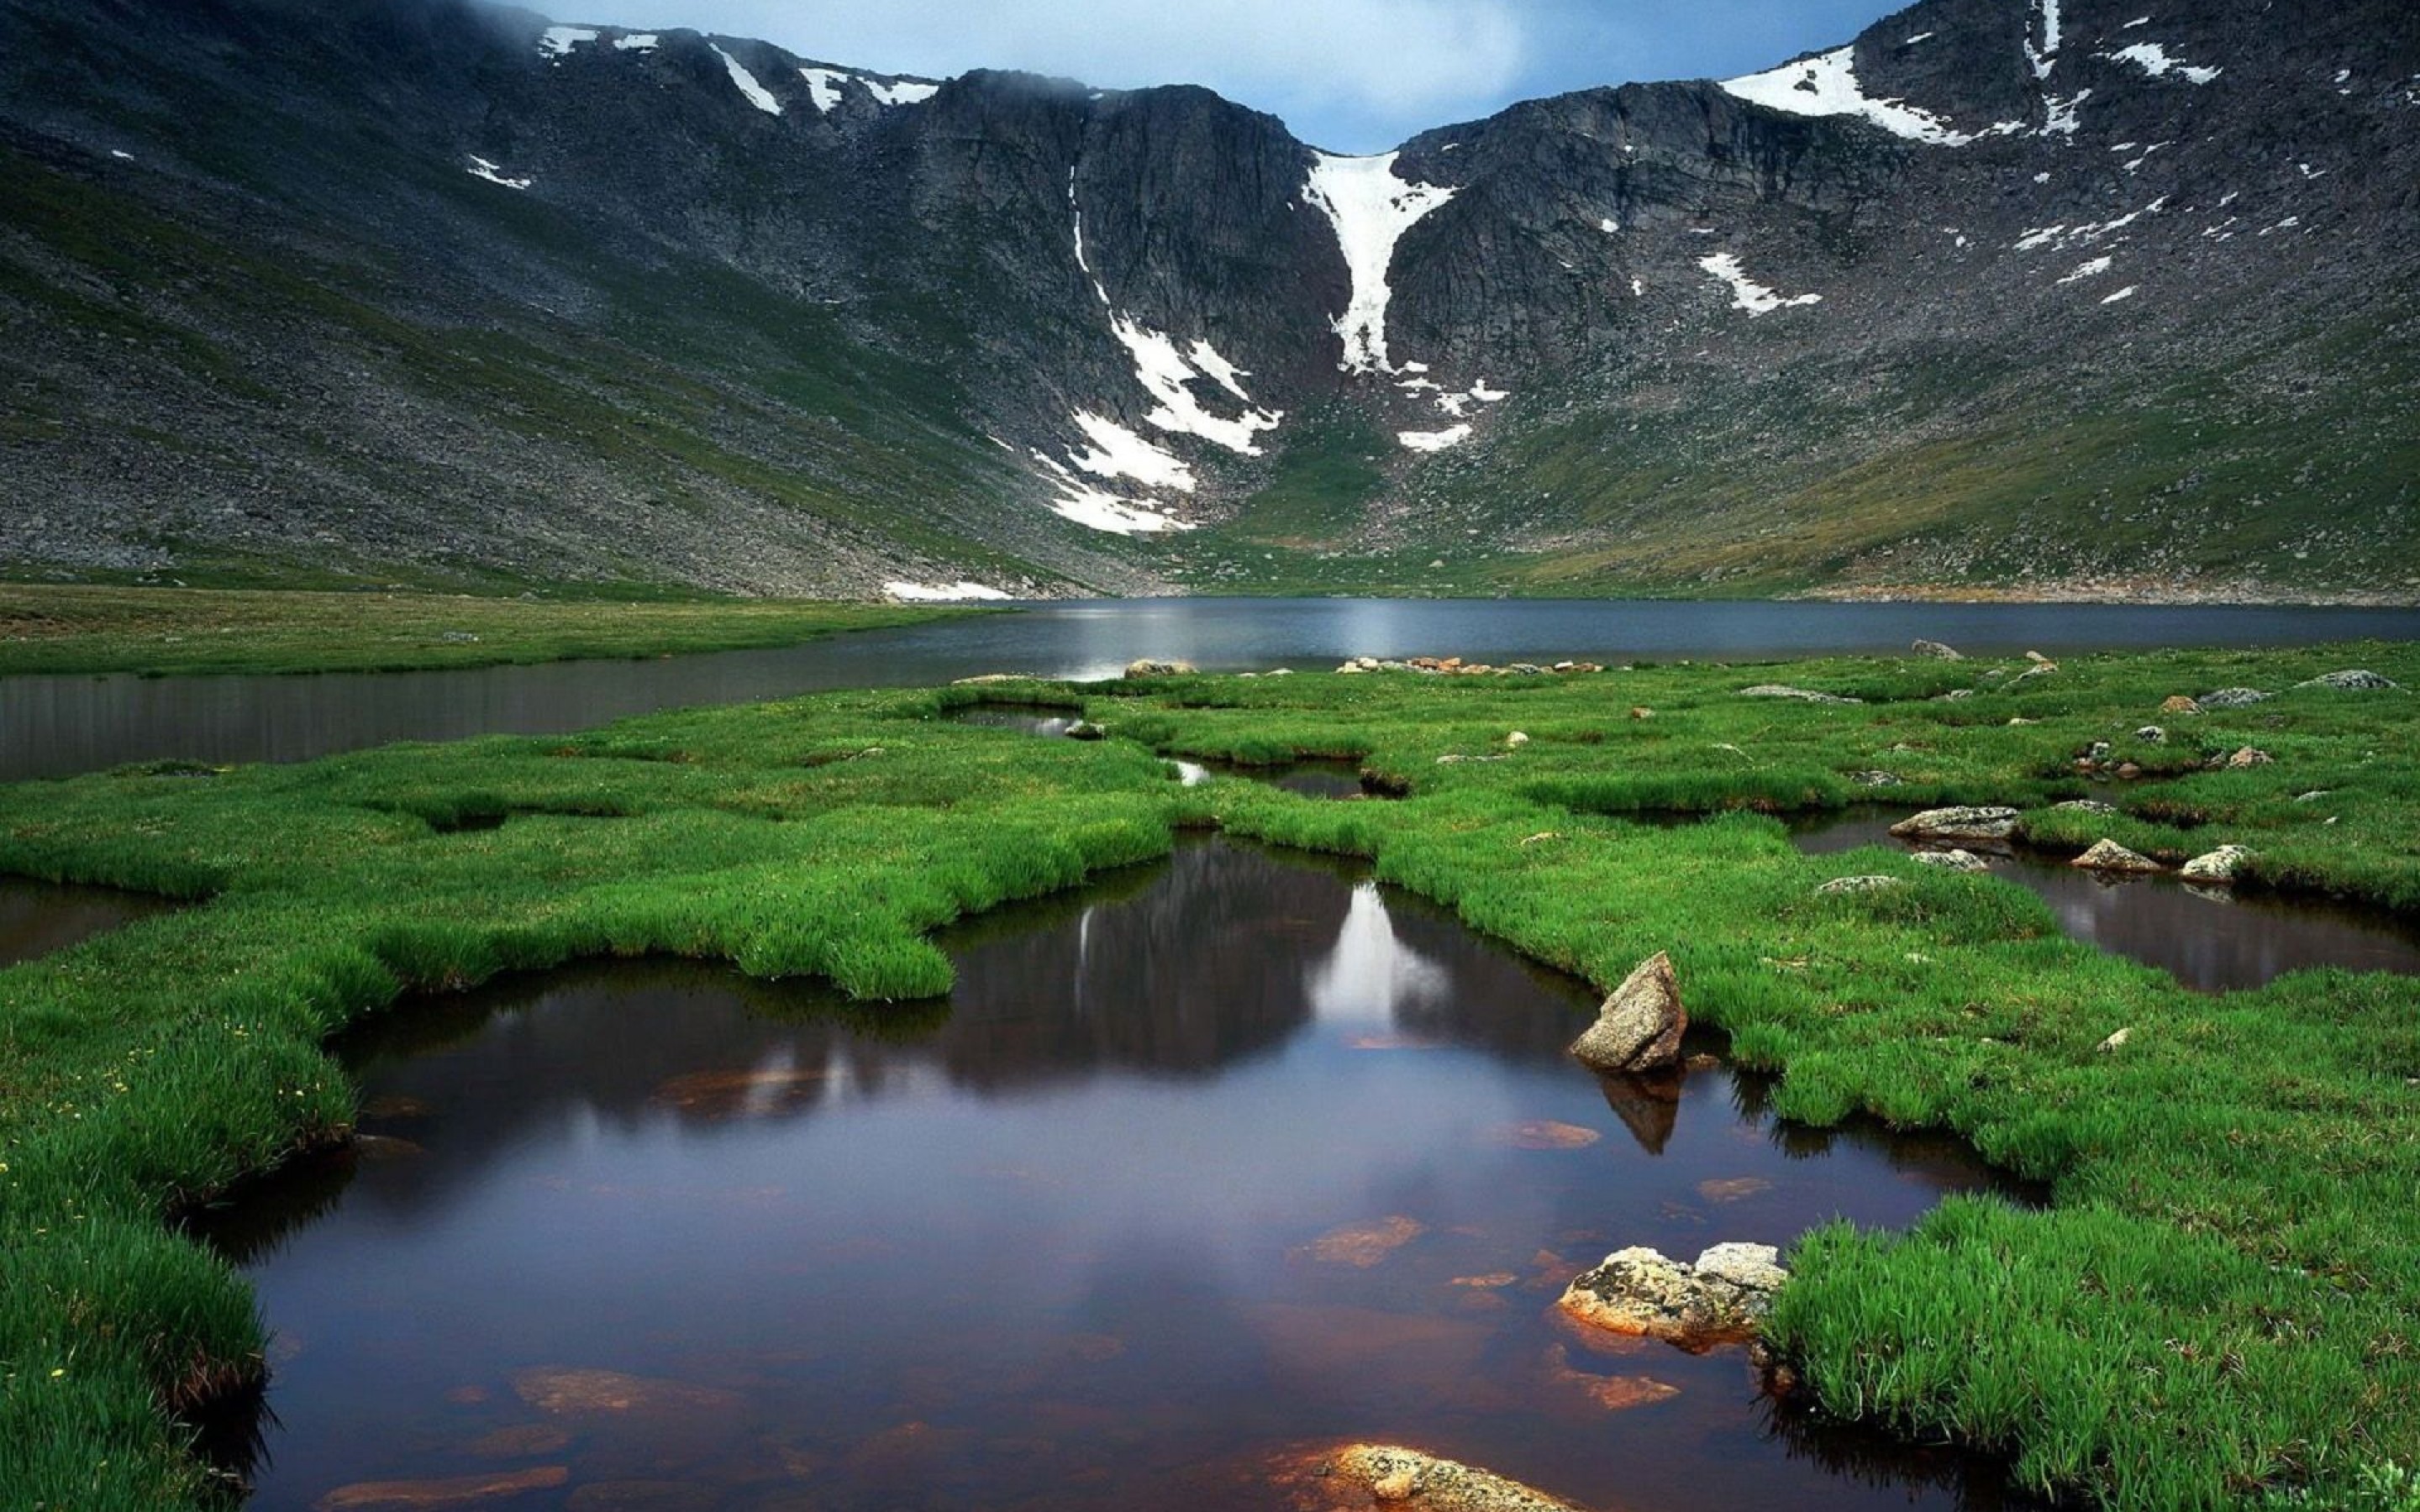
2217 1308
161 631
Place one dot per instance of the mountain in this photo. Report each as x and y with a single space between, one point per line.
2037 296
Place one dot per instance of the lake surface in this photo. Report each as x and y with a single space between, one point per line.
56 726
2211 939
1215 1160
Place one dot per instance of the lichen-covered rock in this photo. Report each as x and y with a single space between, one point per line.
1875 780
1720 1298
2355 680
1937 650
1641 1025
1803 694
1147 667
2232 698
2248 757
1954 860
2108 856
2151 734
2218 866
1840 886
1376 1475
1086 729
2180 704
2085 806
1964 823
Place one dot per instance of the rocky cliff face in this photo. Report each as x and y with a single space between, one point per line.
2036 293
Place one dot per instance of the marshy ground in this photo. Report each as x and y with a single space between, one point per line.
2218 1305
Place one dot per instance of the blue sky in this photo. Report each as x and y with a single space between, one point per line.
1350 75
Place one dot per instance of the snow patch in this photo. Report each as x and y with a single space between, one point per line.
2060 238
1609 226
494 174
1222 372
557 41
1826 85
823 87
121 156
956 593
1433 441
1920 37
2094 268
2153 59
2062 117
1747 293
901 91
1371 208
1097 509
1119 453
637 43
757 94
2126 293
1166 375
2045 56
2139 21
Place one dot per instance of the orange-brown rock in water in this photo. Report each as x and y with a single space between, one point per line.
1641 1025
1611 1394
1541 1134
1364 1475
1363 1245
728 1094
439 1495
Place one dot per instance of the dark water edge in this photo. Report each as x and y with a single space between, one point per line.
39 917
1214 1158
2211 939
56 726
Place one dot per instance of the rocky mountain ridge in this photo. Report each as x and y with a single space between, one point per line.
2004 295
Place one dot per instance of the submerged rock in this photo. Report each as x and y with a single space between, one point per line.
1936 651
1803 694
1363 1245
565 1392
1541 1134
1964 823
1641 1025
2108 856
1148 667
1954 860
2218 866
1373 1474
1720 1298
436 1496
2356 681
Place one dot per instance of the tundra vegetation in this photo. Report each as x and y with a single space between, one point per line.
2216 1308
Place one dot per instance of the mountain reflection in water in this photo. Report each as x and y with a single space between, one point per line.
1212 1159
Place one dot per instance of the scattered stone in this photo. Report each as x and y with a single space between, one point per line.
2042 669
1719 1300
1734 1189
457 638
1086 729
1641 1025
1147 667
2352 682
2232 698
1965 823
1614 1393
1954 695
1516 740
2039 660
1954 860
2313 795
2151 734
1456 759
1641 712
2219 866
2099 751
1781 690
1541 1134
1364 1245
433 1495
1395 1476
1842 886
2247 758
2108 856
2128 771
1876 780
2115 1042
2020 721
563 1392
2086 806
2180 704
1936 651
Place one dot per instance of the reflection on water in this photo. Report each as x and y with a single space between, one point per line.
36 918
1215 1158
2211 939
52 726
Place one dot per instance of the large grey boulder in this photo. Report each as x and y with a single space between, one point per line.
2232 698
1148 667
1959 824
2352 682
1936 651
1720 1298
1641 1025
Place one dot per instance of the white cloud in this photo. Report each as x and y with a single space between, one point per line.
1373 70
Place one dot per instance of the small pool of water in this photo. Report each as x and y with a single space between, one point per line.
1214 1158
1330 780
38 918
2211 939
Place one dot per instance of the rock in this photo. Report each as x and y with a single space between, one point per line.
1936 651
1968 823
1613 1394
1954 860
2352 682
987 678
563 1392
1541 1134
1516 740
1086 729
1719 1300
433 1495
2085 806
2180 704
1364 1245
1641 712
520 1442
1641 1025
1733 1188
1391 1475
1875 780
1955 695
1781 690
2115 1042
2151 734
1147 667
2313 795
2129 770
2020 722
2232 698
2039 660
1842 886
1348 670
2042 669
2108 856
2218 866
2247 758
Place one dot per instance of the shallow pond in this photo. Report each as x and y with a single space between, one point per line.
2211 939
38 918
1214 1158
54 726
